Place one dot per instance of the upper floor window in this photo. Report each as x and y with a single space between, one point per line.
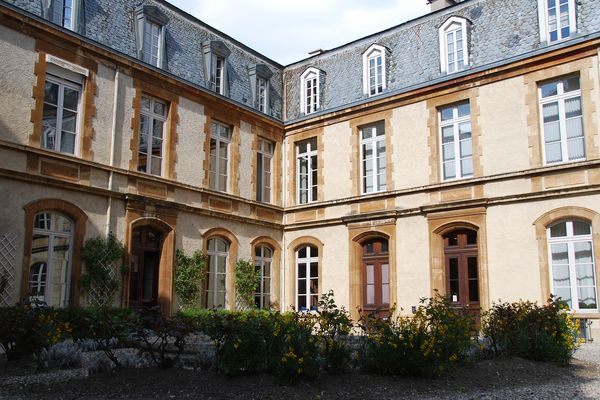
150 35
573 277
66 13
307 268
259 84
374 70
264 159
61 115
306 167
50 261
215 66
562 120
263 258
454 53
373 158
558 19
220 137
216 289
153 116
310 89
456 141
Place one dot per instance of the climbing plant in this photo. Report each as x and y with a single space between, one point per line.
189 274
247 280
102 257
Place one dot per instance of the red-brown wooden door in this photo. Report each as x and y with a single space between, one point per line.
462 269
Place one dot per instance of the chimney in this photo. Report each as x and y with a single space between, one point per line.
316 52
440 4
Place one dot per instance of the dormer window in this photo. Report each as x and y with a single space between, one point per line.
215 55
150 38
260 86
310 84
374 70
454 51
558 19
66 13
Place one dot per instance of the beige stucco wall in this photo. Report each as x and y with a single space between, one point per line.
503 121
410 147
104 101
16 82
247 156
189 167
123 127
336 161
412 262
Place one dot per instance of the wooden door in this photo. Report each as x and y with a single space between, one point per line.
144 268
376 277
462 269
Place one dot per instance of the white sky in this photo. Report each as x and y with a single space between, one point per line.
286 30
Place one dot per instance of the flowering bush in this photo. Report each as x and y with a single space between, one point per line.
426 343
525 329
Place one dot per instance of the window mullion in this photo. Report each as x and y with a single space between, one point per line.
457 158
59 117
573 275
563 130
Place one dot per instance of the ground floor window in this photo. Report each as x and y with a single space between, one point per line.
462 267
263 258
216 291
376 275
307 263
572 264
50 261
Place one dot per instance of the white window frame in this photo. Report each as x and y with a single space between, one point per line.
155 42
560 98
260 261
374 52
373 140
455 123
544 21
570 240
62 11
152 116
310 104
264 156
146 18
219 141
305 263
312 151
62 84
262 89
52 235
217 73
212 271
453 24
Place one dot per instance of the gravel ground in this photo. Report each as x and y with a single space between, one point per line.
489 379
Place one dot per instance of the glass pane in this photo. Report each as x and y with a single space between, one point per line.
302 270
581 228
448 152
549 89
446 113
560 254
314 287
314 270
146 104
49 115
370 274
583 252
448 134
466 148
587 297
370 294
453 268
60 272
449 170
573 107
571 84
585 275
61 223
69 121
67 142
472 266
452 239
473 290
466 166
574 127
576 148
385 273
157 128
553 152
302 252
314 252
564 293
471 237
156 166
70 99
558 230
464 110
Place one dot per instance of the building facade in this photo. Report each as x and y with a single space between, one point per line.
457 152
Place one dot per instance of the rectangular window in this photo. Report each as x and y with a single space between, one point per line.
562 120
373 158
153 116
262 94
61 115
306 167
457 144
219 155
311 94
375 74
63 13
217 74
456 59
152 43
560 19
264 159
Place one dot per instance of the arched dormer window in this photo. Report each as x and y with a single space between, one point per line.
374 70
310 87
454 51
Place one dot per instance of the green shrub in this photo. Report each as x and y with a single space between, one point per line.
189 273
525 329
333 326
429 342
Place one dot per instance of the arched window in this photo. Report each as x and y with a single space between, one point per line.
263 258
571 256
50 261
310 84
374 70
216 290
376 274
307 273
454 51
